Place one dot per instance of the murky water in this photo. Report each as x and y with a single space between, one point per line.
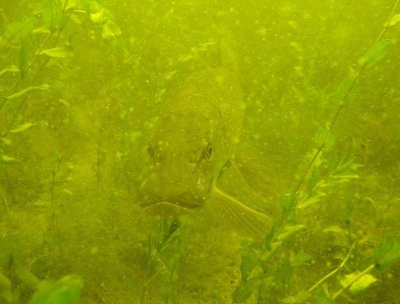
273 181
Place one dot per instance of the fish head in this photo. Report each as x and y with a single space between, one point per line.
184 163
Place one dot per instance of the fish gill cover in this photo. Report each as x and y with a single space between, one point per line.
272 124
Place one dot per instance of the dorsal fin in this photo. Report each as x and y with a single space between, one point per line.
227 56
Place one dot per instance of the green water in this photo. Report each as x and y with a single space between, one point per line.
82 86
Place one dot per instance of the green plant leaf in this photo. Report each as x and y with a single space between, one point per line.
246 289
43 87
72 4
386 253
336 229
343 92
325 137
6 158
250 251
284 273
340 171
17 30
57 52
300 259
22 127
394 20
376 53
41 30
289 231
360 284
314 179
65 291
110 30
6 140
52 15
6 292
269 237
363 283
134 290
75 19
310 200
12 69
99 16
287 203
246 264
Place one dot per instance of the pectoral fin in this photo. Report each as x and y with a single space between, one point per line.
234 215
252 171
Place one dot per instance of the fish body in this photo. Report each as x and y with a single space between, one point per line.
193 141
195 137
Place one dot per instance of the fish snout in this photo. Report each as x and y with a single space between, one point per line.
191 199
152 192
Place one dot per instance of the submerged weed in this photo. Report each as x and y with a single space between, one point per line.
267 269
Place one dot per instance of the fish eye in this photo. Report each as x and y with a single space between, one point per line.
150 150
209 151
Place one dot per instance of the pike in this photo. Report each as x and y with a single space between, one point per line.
194 140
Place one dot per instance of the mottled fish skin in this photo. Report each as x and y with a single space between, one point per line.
194 138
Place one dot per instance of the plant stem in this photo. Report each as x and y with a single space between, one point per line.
10 185
6 204
365 271
324 279
53 181
335 270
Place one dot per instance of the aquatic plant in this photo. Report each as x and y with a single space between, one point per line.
39 42
268 269
163 259
65 291
15 278
43 40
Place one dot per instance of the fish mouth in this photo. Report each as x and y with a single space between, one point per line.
183 205
167 209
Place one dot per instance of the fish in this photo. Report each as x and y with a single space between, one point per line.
192 144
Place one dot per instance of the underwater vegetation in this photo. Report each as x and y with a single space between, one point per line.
296 194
